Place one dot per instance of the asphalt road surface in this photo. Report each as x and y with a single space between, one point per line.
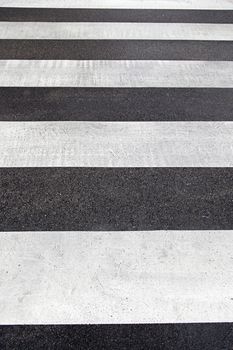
116 174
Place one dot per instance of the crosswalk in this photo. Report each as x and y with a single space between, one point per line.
116 144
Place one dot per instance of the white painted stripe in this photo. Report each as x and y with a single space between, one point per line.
50 73
123 4
116 277
111 31
116 144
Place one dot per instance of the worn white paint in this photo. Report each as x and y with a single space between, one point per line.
123 4
68 73
116 144
111 31
116 277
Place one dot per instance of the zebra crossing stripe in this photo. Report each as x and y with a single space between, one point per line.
116 31
123 4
